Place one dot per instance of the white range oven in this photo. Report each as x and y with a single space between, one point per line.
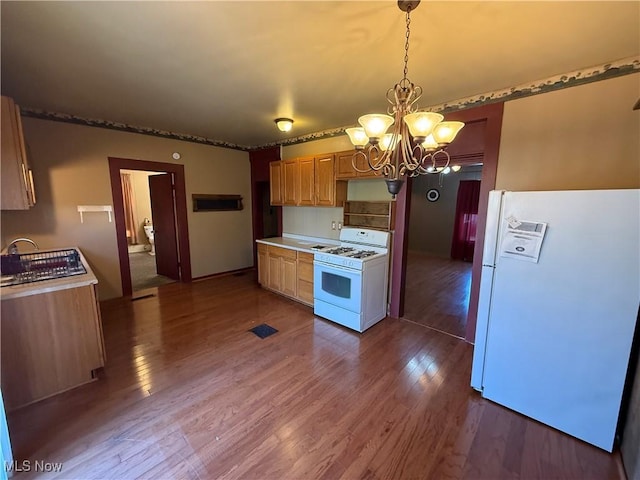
350 281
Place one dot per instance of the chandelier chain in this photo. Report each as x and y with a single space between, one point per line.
406 44
417 142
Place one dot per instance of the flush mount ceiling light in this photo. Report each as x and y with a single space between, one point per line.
417 143
284 124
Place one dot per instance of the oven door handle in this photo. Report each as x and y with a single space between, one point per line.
338 267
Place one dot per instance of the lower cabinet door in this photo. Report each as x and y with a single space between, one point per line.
275 274
290 276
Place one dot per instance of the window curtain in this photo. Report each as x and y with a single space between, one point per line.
466 219
129 201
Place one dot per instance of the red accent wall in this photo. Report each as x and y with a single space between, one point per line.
260 160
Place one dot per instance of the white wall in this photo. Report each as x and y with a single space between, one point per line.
311 221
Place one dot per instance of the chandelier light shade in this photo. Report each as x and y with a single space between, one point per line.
416 145
421 124
357 137
445 132
375 125
284 124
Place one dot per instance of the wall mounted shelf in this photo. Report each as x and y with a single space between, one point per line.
82 209
376 215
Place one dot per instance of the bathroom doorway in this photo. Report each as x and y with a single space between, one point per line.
139 269
140 229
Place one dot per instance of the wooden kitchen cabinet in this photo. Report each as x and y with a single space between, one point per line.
17 192
284 182
289 276
329 193
318 186
345 170
263 265
276 183
50 342
291 176
287 272
275 272
305 278
307 181
282 270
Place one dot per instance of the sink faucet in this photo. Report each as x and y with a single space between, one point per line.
12 248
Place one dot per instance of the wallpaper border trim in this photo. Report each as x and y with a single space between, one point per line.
557 82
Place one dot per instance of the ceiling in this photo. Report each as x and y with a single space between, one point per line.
225 70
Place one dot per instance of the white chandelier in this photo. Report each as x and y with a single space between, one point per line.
417 144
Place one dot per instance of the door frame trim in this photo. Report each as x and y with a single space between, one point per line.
184 255
260 160
492 114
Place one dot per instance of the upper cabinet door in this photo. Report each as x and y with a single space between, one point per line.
345 170
325 183
307 181
276 184
344 165
291 182
17 178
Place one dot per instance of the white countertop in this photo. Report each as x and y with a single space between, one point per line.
301 243
45 286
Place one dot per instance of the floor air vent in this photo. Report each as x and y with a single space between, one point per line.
263 330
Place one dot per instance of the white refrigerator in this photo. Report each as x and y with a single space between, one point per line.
559 303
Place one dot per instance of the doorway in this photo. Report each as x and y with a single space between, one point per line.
267 214
141 228
482 144
438 281
167 197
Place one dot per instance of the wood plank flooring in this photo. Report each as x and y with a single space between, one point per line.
437 292
189 393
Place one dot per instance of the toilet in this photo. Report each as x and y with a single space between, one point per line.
148 231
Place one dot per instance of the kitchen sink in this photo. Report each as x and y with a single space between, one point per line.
21 268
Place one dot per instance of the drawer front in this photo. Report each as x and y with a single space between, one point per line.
305 291
305 257
262 248
283 252
305 271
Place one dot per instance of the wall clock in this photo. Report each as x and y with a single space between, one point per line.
433 194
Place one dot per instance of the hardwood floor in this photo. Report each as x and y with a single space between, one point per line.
188 392
437 292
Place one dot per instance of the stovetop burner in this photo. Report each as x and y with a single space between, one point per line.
351 252
361 254
340 250
357 248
